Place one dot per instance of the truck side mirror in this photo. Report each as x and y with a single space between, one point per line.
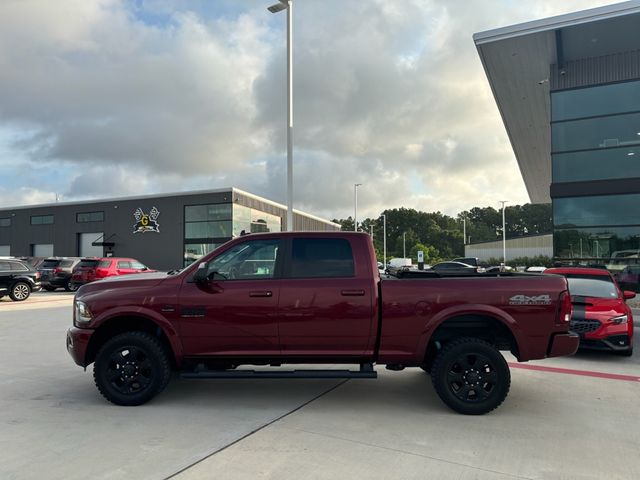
201 277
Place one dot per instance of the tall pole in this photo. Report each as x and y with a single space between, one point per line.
371 230
384 239
404 244
504 235
355 206
289 116
464 231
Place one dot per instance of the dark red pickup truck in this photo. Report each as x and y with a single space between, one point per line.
315 298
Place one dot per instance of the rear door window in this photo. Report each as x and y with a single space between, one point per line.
104 264
18 267
88 263
5 267
321 258
137 265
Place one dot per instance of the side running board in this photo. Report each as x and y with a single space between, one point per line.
366 371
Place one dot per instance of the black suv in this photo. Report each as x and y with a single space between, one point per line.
55 272
17 279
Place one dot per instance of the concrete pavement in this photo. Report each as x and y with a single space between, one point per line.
55 425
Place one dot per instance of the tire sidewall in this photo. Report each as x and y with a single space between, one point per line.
157 358
449 355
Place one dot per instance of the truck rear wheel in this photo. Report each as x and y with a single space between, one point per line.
471 376
131 368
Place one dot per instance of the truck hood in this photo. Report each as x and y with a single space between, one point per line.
124 281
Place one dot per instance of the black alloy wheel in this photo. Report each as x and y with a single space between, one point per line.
471 376
71 287
131 368
20 291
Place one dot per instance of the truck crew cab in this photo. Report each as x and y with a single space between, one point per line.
315 298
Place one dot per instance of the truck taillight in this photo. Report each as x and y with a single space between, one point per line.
566 308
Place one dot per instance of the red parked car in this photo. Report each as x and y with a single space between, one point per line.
600 315
90 269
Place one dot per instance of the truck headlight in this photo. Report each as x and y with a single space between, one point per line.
619 320
81 315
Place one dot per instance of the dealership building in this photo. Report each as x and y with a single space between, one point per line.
568 91
162 231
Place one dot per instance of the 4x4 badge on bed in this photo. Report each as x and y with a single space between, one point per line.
534 300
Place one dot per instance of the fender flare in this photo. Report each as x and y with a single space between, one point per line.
473 309
145 313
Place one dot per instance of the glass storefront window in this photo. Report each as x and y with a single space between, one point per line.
207 229
593 101
617 245
595 133
598 210
195 251
251 220
207 213
596 165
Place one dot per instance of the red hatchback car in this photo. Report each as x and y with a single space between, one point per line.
90 269
600 315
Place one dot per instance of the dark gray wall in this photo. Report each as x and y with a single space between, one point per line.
162 251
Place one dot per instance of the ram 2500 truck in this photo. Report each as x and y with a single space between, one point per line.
315 298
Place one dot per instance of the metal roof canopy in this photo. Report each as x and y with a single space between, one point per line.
517 60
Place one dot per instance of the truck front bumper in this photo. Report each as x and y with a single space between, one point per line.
77 344
564 344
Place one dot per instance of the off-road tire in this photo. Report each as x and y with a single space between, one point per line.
20 291
471 376
131 368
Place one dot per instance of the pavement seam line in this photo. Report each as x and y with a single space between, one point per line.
238 440
410 453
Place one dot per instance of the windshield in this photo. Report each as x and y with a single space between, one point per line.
598 287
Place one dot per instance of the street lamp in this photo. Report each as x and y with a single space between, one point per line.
384 239
504 235
278 7
355 205
404 244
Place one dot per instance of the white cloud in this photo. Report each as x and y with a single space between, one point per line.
387 94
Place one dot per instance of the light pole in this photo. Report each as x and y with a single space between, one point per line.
384 239
355 205
278 7
404 244
371 230
504 235
464 231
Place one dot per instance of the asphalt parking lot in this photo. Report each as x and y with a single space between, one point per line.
578 420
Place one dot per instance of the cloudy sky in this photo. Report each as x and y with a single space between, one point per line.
102 98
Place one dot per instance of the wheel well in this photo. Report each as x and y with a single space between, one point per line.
479 326
118 325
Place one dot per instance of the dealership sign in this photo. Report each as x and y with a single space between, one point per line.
146 222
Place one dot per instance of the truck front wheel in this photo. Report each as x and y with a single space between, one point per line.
131 368
471 376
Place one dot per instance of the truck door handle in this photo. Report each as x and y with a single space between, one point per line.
352 293
261 293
